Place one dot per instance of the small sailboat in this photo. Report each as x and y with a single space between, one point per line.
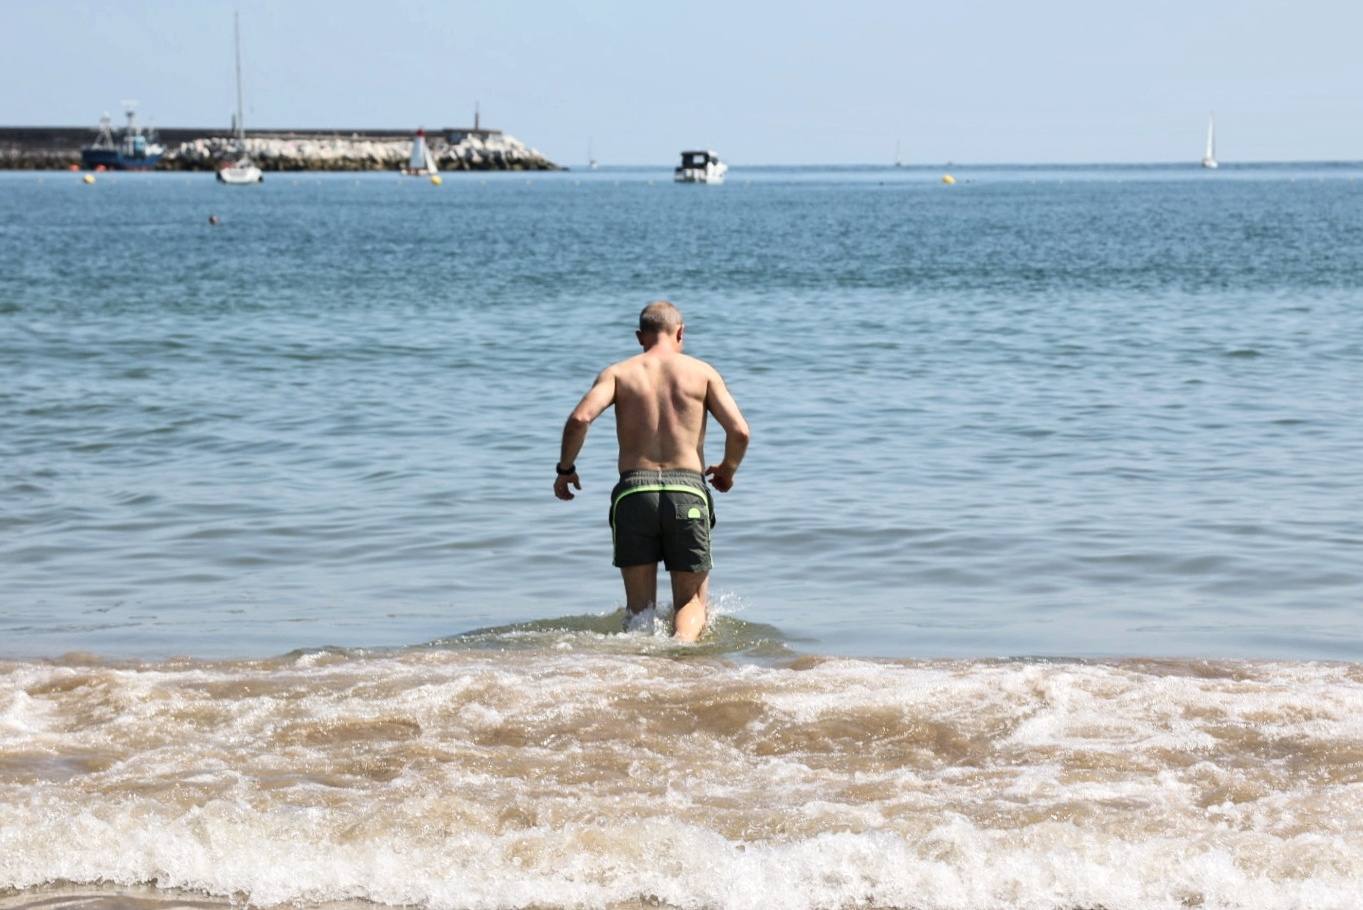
421 163
1209 157
243 171
591 157
898 161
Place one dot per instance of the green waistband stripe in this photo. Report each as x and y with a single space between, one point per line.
655 488
660 488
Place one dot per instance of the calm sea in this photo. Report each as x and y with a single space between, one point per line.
1042 585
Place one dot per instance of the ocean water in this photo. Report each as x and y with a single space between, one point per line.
1040 587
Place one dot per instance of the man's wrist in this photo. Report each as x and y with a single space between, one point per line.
565 472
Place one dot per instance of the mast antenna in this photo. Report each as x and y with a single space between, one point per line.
236 34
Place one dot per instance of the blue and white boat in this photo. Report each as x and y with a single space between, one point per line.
136 149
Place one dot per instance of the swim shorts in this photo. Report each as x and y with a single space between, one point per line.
662 515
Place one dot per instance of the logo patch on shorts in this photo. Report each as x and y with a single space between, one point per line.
693 512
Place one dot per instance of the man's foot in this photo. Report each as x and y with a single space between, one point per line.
641 621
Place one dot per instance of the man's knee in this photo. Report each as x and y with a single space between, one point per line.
687 586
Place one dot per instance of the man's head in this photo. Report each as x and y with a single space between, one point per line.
660 321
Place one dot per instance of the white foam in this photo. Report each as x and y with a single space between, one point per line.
492 780
225 848
643 622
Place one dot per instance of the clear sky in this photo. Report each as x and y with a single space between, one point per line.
839 81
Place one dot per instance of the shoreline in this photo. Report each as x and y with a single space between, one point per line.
66 895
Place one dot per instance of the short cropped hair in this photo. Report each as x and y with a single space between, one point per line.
658 317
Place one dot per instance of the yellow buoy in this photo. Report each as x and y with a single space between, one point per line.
948 180
88 178
437 179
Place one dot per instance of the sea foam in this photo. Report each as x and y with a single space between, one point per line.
480 778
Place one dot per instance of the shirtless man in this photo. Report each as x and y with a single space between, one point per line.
661 509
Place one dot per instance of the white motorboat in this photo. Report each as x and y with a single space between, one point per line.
1209 157
700 167
243 171
422 162
240 172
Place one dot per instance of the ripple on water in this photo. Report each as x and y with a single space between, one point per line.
968 408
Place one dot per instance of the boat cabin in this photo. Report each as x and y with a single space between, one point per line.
698 159
700 167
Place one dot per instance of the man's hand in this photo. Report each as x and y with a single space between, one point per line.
561 483
722 476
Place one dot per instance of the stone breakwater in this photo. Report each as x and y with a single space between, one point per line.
472 153
190 150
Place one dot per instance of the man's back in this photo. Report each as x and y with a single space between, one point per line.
661 510
660 413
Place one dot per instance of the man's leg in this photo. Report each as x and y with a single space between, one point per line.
641 586
691 600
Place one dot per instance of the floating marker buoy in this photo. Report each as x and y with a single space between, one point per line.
88 178
948 180
214 219
437 179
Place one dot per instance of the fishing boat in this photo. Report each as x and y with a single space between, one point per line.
1209 157
421 163
243 171
700 167
135 150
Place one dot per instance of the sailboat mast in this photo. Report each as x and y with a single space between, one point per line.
236 34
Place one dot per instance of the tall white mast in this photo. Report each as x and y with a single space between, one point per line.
241 125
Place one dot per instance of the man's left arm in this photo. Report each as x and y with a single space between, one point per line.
599 397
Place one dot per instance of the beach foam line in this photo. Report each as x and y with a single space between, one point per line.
575 777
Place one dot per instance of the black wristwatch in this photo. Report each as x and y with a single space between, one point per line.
565 472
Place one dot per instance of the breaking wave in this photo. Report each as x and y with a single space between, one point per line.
559 765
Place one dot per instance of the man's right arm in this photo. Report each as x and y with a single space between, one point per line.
720 403
599 397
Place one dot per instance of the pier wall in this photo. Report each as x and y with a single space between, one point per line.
188 149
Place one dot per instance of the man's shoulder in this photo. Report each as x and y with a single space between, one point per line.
700 366
621 366
695 363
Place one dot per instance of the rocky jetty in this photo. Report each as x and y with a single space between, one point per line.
476 149
490 152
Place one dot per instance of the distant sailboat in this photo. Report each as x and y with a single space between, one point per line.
422 162
591 157
244 170
898 162
1209 158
